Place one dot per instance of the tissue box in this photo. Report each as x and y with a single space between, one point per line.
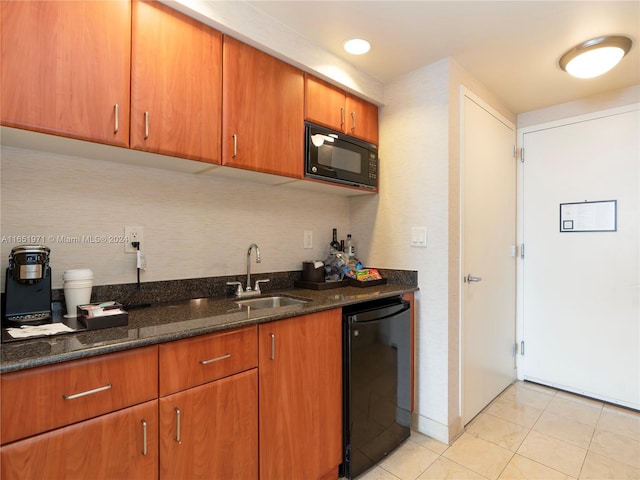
102 315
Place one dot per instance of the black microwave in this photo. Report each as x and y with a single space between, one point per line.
335 157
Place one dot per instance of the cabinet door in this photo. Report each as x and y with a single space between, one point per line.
176 77
65 67
211 431
324 104
113 446
263 108
362 119
301 396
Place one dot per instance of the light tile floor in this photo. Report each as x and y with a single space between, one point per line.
529 432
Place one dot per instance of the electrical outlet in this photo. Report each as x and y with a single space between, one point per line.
308 239
132 234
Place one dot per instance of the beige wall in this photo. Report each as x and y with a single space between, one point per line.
419 153
414 156
194 225
596 103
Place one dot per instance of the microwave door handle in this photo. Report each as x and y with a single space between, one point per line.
330 170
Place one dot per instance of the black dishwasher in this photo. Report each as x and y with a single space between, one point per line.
376 382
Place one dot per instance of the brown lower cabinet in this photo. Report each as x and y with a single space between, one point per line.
300 365
226 419
211 431
119 445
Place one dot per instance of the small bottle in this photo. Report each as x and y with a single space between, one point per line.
342 246
334 243
351 252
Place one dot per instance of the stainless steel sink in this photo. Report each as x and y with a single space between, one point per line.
270 302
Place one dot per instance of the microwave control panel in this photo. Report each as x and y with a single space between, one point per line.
373 166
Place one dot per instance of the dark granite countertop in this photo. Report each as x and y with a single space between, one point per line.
164 322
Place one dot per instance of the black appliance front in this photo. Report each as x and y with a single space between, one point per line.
335 157
27 303
376 382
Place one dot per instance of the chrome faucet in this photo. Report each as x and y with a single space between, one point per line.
248 291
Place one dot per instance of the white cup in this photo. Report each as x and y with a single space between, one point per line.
77 289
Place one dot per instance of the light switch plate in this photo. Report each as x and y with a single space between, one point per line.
419 237
308 239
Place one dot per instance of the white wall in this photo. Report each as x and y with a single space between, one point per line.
596 103
419 155
194 225
414 159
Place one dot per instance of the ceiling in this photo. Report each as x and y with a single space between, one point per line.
512 47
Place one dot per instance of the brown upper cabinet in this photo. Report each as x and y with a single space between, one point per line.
65 68
176 84
262 112
333 108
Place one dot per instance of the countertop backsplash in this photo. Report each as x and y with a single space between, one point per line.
194 226
209 287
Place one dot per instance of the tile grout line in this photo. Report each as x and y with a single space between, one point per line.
595 427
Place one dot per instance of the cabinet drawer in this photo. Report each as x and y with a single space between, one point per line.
194 361
43 398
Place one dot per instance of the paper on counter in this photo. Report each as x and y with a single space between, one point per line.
37 330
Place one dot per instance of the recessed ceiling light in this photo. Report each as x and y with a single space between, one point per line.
595 57
357 46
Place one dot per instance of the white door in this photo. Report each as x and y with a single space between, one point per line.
580 295
488 259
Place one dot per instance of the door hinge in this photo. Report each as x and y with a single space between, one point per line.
522 154
515 152
522 347
522 250
515 349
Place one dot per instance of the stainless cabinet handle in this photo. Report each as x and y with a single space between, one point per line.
341 117
470 279
273 346
146 125
178 425
116 110
353 120
144 437
88 392
235 145
217 359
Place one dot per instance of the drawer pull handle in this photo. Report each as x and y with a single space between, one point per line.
144 437
178 426
117 112
273 346
235 146
146 125
88 392
217 359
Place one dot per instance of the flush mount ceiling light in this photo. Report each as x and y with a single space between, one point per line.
357 46
595 57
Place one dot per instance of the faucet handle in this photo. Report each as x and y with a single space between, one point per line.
238 289
257 289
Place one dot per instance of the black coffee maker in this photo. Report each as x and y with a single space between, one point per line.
28 286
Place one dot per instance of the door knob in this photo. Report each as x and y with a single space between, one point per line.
470 279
